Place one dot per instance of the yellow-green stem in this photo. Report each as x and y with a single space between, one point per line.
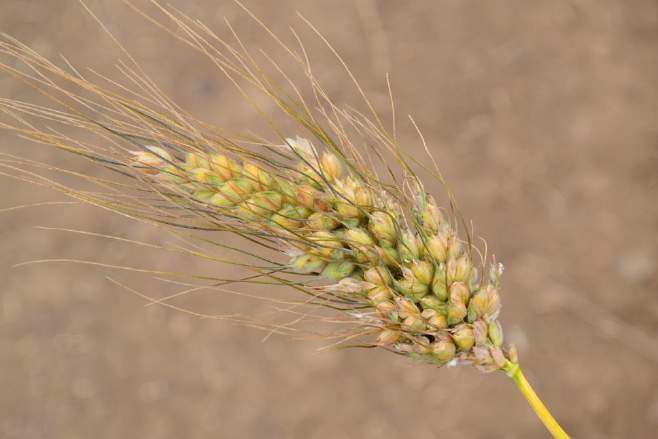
514 372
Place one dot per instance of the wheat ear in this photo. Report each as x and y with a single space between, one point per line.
380 254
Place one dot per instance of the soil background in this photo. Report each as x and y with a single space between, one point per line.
543 116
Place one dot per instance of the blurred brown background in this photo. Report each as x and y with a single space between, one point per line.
544 118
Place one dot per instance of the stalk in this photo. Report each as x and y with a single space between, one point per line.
551 424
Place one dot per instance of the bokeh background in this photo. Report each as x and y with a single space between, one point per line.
544 118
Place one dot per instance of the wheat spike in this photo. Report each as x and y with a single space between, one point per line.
380 253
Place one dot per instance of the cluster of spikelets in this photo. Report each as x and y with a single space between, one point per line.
414 281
